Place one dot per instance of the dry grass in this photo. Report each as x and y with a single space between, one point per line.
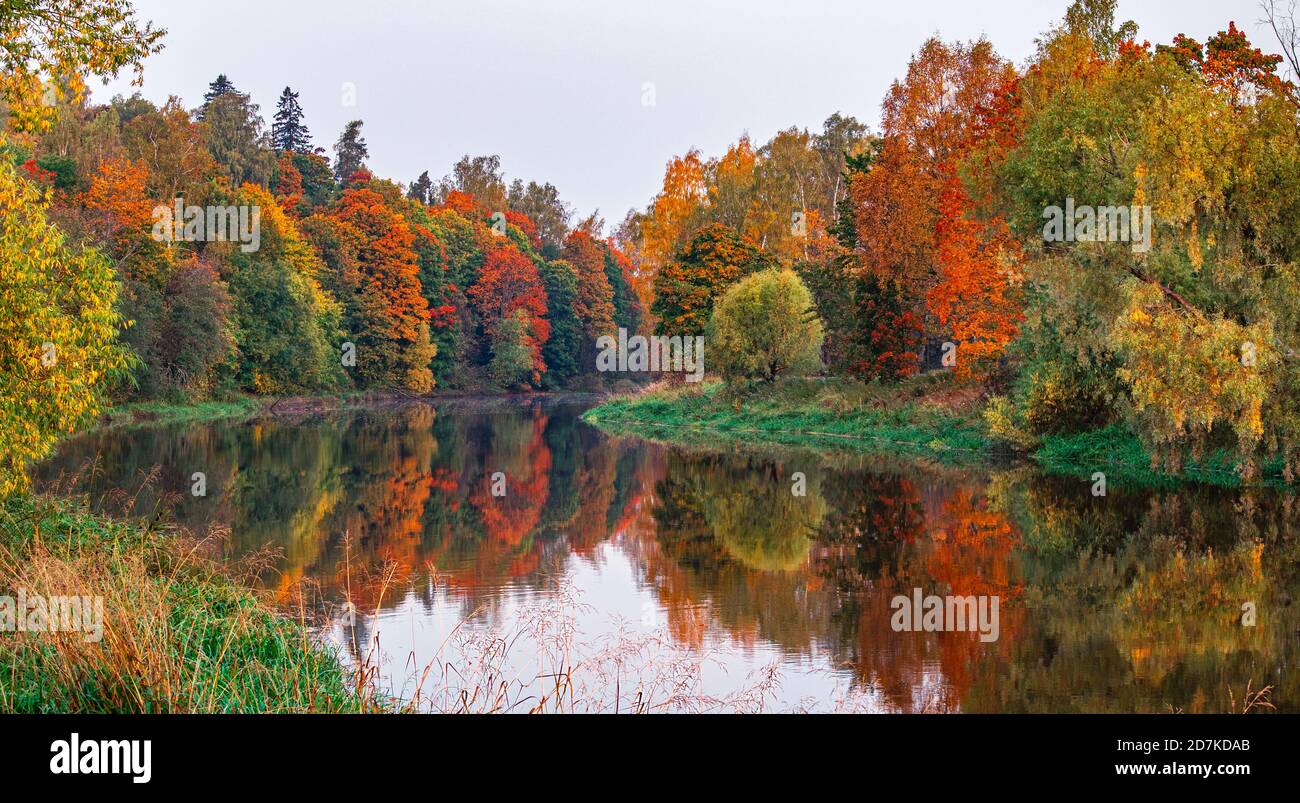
180 633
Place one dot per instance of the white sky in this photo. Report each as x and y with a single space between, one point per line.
555 88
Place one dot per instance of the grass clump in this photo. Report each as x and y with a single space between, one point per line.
178 634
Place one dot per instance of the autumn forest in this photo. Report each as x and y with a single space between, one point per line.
324 440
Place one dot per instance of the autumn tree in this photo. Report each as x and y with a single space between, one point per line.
594 305
687 287
509 282
171 148
56 39
57 344
667 225
377 275
927 117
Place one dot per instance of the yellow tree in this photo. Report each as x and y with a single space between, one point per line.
56 41
57 331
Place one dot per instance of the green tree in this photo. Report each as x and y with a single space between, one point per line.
234 135
350 152
763 326
421 189
512 352
288 132
562 349
287 325
221 85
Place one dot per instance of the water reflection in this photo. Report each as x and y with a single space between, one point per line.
1132 601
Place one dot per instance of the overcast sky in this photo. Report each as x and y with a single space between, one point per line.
557 89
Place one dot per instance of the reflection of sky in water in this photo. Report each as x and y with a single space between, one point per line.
412 634
1122 603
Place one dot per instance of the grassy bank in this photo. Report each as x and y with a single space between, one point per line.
1120 454
930 416
926 417
155 412
177 633
239 407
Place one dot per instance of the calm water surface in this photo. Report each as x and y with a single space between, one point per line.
693 579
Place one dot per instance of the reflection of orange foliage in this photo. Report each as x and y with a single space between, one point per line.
971 548
386 520
509 519
971 554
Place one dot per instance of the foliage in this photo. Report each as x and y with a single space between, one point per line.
288 327
57 347
513 348
62 39
763 327
687 287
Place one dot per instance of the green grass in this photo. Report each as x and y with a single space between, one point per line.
179 635
909 419
1121 455
932 416
155 412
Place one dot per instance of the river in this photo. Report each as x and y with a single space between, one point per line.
501 554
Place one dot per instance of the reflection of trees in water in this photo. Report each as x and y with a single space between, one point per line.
819 572
1134 602
1128 602
887 535
733 540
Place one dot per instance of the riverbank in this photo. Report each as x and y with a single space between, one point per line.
932 416
168 631
239 407
151 413
922 419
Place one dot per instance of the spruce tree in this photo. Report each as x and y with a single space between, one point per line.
421 189
221 86
350 152
288 133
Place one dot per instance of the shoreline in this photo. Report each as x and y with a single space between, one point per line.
152 413
910 425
